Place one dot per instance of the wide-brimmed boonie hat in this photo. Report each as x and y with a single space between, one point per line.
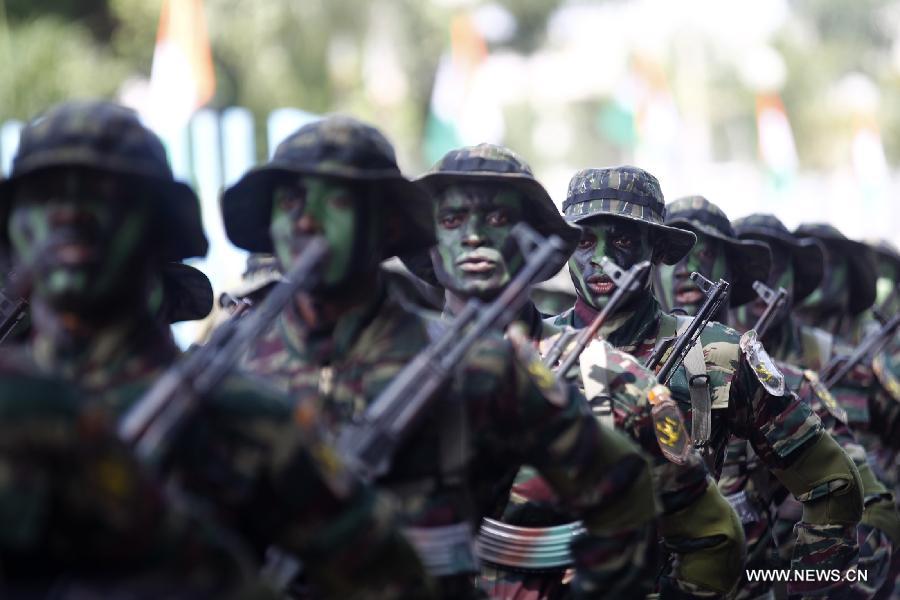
862 274
748 260
626 193
493 164
187 291
807 257
340 148
107 137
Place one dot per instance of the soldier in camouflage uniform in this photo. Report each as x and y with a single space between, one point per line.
85 211
481 193
344 339
744 479
621 212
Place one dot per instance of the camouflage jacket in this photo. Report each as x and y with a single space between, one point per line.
743 475
491 418
683 490
779 427
245 458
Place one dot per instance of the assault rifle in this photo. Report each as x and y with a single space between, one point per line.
368 445
873 342
774 301
627 282
716 294
151 424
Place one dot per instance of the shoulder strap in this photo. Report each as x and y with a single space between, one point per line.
698 385
595 381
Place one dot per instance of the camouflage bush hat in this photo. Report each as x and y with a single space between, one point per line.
863 276
188 294
807 258
337 147
490 163
108 137
748 260
262 271
627 193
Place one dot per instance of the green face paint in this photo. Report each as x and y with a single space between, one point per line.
79 234
708 258
473 224
317 206
625 242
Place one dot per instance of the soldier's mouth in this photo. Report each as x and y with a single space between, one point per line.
600 285
476 265
72 253
688 294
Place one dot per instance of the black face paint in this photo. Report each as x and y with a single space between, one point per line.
625 242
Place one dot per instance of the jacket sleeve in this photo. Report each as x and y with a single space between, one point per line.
598 473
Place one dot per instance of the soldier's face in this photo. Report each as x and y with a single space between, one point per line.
708 258
314 206
781 275
473 224
79 234
625 242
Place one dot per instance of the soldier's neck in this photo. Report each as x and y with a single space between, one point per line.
528 314
83 349
320 313
585 315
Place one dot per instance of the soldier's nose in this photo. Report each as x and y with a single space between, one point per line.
473 240
306 224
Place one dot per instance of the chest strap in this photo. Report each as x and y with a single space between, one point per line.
698 386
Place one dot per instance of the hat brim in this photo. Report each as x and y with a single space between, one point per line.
247 207
676 242
545 217
187 291
807 258
542 216
748 260
862 274
176 202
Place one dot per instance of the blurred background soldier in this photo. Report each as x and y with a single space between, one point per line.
90 196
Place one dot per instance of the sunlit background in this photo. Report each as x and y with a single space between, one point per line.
791 107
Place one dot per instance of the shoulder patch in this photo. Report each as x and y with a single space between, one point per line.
886 377
762 364
668 425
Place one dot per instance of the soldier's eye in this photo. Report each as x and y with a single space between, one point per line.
623 243
497 219
450 221
586 242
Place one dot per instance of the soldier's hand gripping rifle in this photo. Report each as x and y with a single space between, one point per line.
774 301
716 294
152 423
368 445
627 282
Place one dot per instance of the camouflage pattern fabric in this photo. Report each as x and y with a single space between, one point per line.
509 420
699 546
779 428
247 460
630 193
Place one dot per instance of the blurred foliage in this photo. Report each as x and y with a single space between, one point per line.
329 55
